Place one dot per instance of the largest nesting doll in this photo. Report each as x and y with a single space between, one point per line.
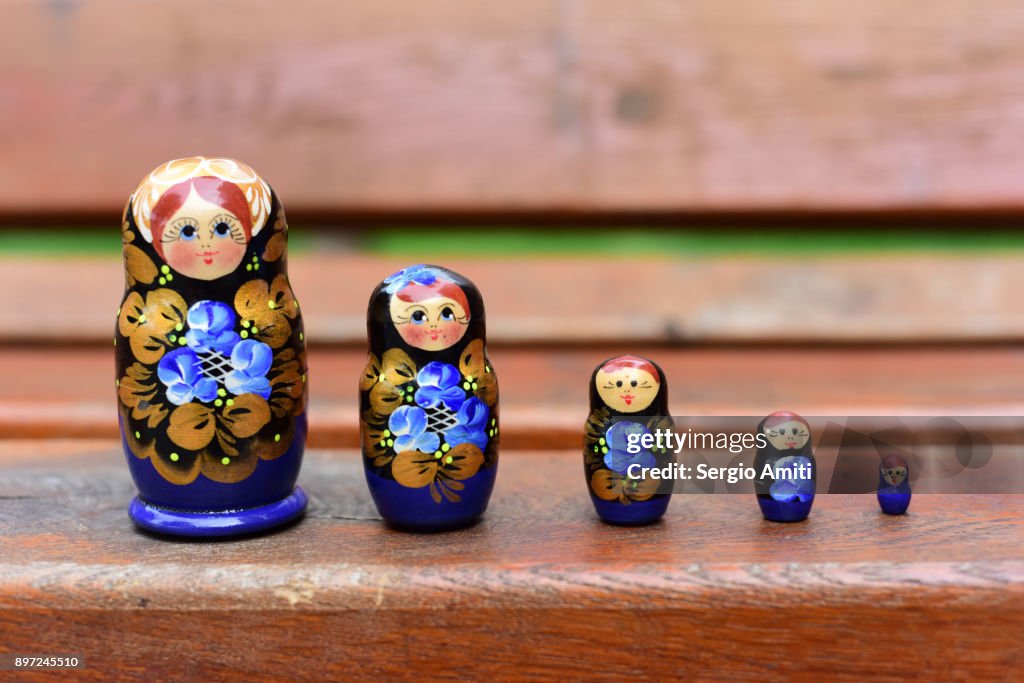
428 401
211 361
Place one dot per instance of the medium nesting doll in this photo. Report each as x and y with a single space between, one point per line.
211 360
893 485
428 401
628 405
785 466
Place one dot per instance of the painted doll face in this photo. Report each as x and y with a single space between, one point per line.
431 324
626 389
894 475
788 435
203 240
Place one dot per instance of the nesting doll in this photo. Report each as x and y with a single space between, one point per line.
785 467
893 485
428 401
628 406
210 354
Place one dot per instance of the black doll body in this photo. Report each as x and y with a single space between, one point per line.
628 400
893 485
785 466
210 353
428 401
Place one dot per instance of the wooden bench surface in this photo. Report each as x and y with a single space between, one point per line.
540 585
634 299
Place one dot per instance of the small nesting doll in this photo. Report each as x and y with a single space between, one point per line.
785 467
210 355
628 402
893 485
428 401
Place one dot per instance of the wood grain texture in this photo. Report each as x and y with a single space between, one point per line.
538 105
539 589
628 300
544 392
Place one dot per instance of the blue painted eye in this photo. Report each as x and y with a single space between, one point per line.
418 318
188 232
447 314
222 229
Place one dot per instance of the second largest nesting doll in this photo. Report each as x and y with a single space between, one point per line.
428 401
211 361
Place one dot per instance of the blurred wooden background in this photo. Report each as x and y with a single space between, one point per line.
537 105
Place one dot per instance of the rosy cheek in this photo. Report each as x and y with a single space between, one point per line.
451 330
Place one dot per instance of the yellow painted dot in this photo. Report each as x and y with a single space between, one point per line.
174 457
487 368
301 336
163 281
391 442
218 403
271 305
474 386
255 330
137 435
437 455
383 443
173 338
142 318
469 378
179 327
169 277
221 392
277 438
229 402
387 432
181 340
446 448
248 266
257 266
245 334
245 323
449 460
225 461
303 379
117 382
165 269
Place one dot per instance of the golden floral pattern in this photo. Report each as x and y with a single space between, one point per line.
431 427
213 387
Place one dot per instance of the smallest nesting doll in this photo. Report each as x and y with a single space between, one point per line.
785 466
893 485
628 407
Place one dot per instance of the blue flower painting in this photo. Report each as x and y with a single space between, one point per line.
182 373
250 360
439 384
470 426
211 327
420 274
408 424
790 490
619 458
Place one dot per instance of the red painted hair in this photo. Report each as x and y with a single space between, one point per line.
894 461
783 416
414 292
623 362
223 193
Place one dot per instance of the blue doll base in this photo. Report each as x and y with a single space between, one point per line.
784 511
894 503
637 513
413 509
219 523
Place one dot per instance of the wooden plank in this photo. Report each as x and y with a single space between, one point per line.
54 393
633 300
546 105
538 588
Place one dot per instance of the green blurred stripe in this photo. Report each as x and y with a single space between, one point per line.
525 241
